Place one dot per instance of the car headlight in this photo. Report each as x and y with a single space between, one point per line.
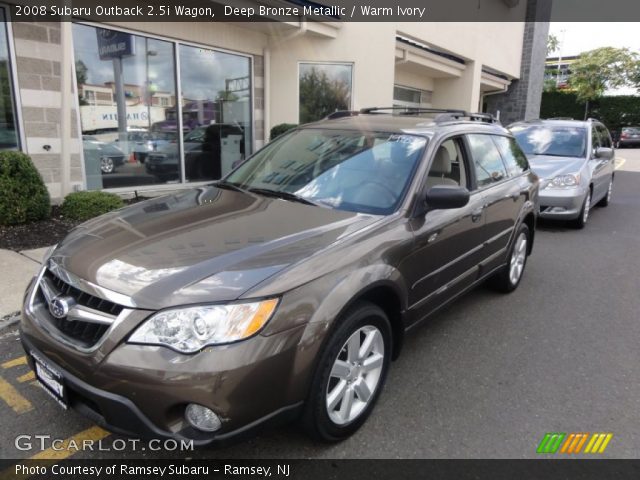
564 181
190 329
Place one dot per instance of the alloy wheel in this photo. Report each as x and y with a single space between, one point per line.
106 164
518 258
355 375
587 204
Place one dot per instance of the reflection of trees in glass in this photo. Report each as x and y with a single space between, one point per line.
81 79
323 90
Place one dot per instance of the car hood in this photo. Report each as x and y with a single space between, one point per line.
202 245
547 166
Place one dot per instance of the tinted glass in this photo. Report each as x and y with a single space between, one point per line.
216 111
514 159
358 171
605 138
487 161
550 140
8 130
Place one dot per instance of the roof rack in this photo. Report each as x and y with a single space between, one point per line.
443 114
560 118
342 114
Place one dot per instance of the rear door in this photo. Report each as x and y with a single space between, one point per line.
499 165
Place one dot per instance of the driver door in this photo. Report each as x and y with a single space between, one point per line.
449 244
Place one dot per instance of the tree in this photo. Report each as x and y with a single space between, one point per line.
321 95
596 71
81 78
553 43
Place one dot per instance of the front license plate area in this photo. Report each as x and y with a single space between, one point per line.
51 381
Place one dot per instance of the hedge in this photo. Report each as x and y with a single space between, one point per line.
88 204
23 195
281 128
614 111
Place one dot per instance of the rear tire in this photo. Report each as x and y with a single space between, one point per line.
350 374
507 279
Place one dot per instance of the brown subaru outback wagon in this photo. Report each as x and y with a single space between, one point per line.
283 290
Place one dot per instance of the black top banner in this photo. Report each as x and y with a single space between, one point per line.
326 10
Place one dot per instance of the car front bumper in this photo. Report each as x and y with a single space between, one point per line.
143 391
561 203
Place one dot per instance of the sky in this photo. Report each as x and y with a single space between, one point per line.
578 37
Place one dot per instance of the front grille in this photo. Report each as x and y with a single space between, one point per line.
84 334
83 298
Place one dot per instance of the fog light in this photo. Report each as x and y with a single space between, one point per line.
202 418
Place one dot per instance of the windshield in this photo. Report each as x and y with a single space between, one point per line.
554 141
631 130
366 172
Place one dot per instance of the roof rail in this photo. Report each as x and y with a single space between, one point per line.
443 114
560 118
342 114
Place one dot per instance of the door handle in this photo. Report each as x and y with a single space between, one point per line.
477 214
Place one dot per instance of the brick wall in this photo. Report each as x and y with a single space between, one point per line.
522 100
38 55
261 137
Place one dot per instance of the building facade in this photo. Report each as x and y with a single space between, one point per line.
153 106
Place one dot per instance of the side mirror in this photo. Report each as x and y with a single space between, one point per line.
442 197
604 152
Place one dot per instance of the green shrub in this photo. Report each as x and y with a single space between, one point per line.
278 130
85 205
23 196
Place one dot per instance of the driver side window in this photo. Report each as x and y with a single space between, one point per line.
448 166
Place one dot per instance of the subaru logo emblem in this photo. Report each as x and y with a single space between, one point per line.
59 306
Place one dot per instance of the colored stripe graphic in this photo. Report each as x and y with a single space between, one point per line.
550 442
598 443
572 443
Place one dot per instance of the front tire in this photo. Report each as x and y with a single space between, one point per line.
582 219
508 278
350 374
606 200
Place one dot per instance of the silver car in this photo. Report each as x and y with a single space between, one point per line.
575 163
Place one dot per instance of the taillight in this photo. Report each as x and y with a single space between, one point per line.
624 135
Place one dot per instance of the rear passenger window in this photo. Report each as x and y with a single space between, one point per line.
514 159
486 160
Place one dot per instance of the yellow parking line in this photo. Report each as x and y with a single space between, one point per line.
61 452
12 397
620 162
15 362
27 377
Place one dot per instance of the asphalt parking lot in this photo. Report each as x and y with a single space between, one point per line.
487 378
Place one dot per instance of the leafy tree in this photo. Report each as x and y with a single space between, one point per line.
81 78
596 71
553 43
321 95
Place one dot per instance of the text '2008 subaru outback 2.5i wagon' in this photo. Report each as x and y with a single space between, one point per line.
284 289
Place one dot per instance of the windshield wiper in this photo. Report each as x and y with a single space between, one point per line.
282 194
229 185
552 154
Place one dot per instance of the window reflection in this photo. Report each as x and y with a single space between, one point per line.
216 111
126 88
8 130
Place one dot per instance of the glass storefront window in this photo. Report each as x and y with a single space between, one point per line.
127 96
8 124
216 111
324 88
130 113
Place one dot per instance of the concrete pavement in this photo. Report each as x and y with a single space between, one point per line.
17 269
